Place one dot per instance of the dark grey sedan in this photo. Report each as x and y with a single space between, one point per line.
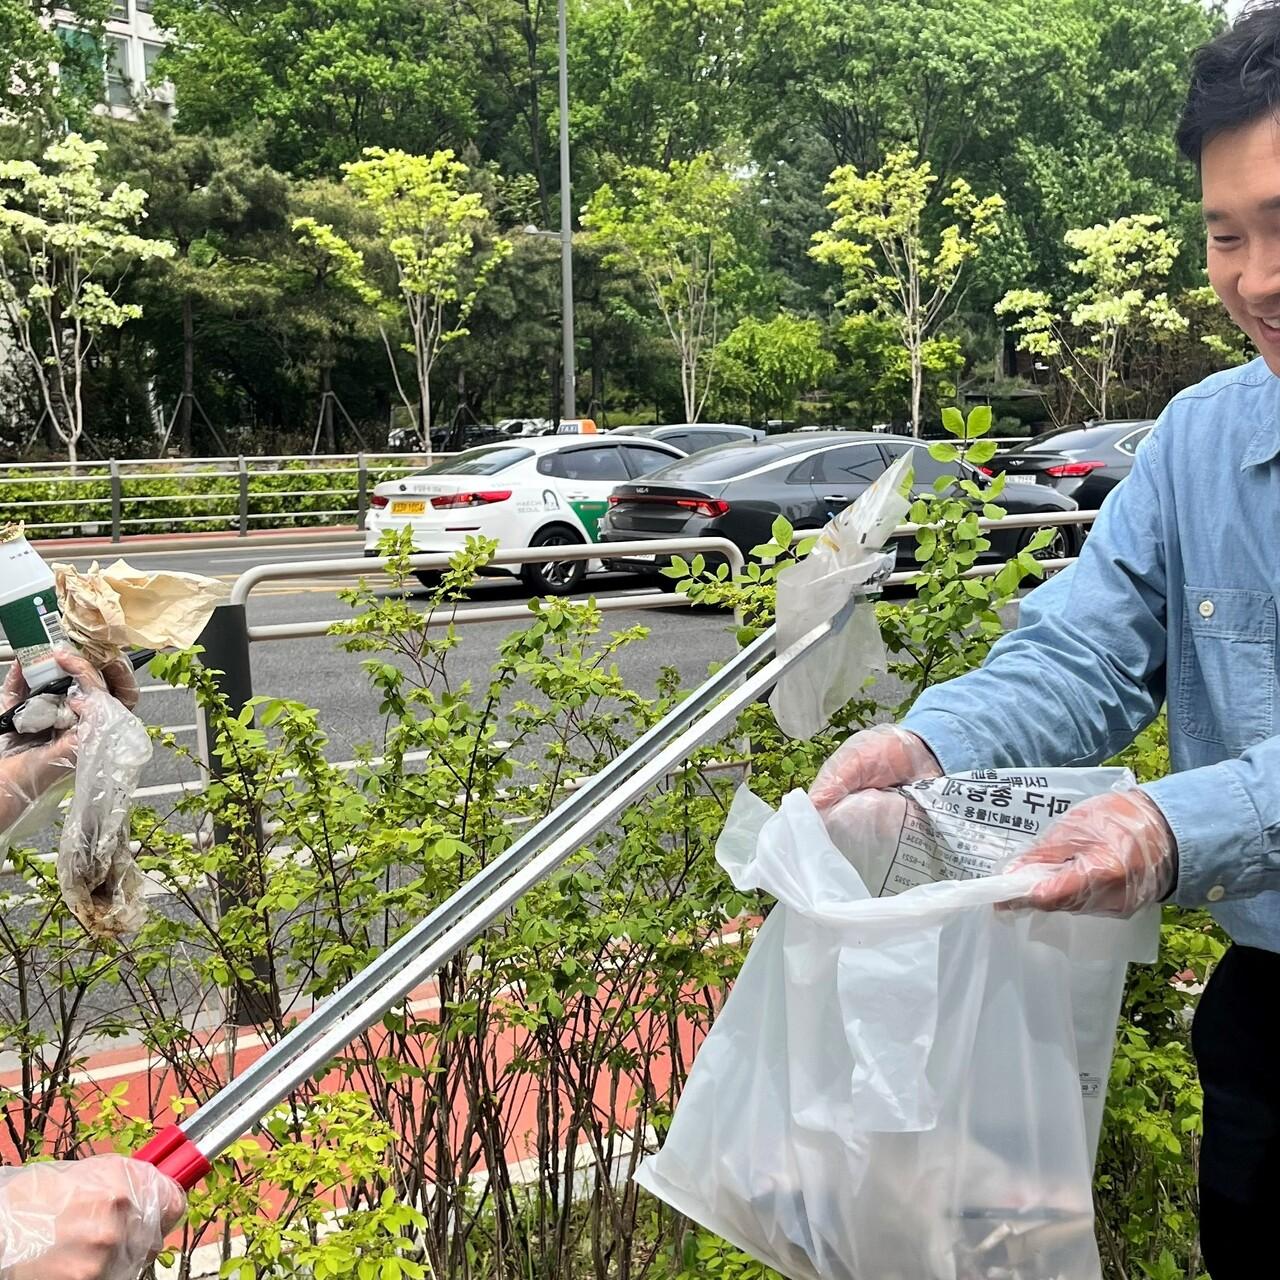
1084 463
737 491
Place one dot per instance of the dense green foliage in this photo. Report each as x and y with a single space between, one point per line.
1065 111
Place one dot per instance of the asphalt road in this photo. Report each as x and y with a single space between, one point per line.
318 672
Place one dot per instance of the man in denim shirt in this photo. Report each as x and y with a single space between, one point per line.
1173 600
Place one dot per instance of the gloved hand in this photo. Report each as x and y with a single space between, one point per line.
33 764
104 1218
1116 854
872 760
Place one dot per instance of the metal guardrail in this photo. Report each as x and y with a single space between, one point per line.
216 492
114 497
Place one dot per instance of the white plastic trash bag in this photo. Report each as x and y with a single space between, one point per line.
847 563
893 1089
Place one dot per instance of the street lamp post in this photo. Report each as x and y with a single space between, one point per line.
566 228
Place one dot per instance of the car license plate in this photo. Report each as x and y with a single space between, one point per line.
408 508
1020 479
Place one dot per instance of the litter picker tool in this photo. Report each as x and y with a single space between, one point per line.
185 1151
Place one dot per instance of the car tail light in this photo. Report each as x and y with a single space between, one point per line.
1064 469
379 500
449 501
709 507
986 471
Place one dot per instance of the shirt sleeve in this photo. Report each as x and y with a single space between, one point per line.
1084 672
1225 820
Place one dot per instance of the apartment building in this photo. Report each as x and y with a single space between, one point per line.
133 42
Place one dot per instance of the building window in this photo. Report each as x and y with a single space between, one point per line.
142 6
120 10
150 54
119 86
80 63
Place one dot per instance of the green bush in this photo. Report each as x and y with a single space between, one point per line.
185 500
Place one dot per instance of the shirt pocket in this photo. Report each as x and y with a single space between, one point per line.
1227 676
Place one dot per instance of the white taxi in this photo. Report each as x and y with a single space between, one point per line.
538 491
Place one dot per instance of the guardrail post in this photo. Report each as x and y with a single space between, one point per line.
244 495
225 641
362 490
117 496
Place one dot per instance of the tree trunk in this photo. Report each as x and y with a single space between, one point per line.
188 375
917 387
597 378
326 409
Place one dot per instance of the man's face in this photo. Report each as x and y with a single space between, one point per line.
1240 180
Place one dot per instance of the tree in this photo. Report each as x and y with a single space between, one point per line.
44 78
889 259
656 81
674 227
440 237
514 43
324 78
777 359
872 76
328 294
221 206
64 243
872 384
1123 266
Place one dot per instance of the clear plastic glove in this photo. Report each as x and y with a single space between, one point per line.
34 768
104 1218
1116 854
872 760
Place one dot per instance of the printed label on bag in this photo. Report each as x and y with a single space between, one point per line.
1090 1086
962 828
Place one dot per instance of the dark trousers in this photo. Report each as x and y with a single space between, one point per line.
1236 1037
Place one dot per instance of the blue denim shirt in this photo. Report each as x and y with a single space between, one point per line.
1173 598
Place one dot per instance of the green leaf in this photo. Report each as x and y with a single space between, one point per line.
979 421
944 452
782 531
953 422
982 452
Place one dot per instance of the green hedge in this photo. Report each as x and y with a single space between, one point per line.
72 504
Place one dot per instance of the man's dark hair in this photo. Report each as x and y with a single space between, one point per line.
1235 79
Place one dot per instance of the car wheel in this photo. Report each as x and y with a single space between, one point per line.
1065 544
430 578
555 577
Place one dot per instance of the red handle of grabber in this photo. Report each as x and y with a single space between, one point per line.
173 1153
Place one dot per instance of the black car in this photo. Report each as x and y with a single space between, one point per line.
693 437
737 491
1084 463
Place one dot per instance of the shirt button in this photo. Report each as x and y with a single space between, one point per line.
1216 894
1206 608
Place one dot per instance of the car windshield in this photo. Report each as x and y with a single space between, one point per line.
485 461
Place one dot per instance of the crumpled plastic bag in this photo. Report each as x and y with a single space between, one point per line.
97 874
847 563
106 611
893 1089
